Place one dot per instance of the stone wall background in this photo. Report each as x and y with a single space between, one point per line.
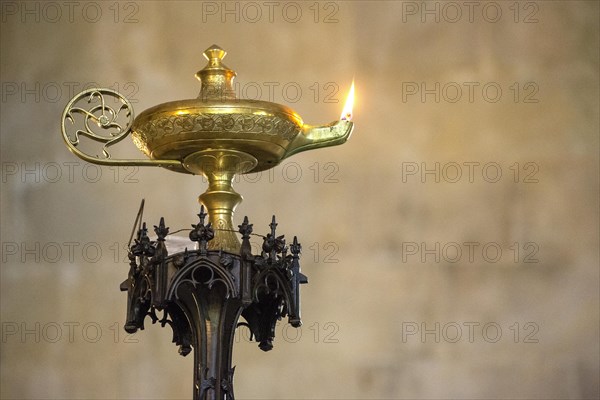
367 290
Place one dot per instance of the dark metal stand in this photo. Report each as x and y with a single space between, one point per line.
202 294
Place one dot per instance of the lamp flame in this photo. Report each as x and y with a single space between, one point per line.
347 112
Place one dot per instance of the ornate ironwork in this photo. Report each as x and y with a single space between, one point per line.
202 293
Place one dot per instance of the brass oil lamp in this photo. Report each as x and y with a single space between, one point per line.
202 291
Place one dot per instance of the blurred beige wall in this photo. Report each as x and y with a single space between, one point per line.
451 244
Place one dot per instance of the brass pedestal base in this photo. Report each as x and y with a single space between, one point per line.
219 167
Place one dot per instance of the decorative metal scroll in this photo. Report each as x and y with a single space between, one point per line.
105 116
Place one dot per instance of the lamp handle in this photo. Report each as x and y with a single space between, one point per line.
106 118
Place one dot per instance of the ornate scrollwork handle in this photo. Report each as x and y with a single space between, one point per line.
105 116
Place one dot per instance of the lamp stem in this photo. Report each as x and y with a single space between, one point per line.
221 200
219 167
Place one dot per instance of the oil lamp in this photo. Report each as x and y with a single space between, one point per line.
202 291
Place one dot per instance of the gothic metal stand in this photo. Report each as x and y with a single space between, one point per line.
203 292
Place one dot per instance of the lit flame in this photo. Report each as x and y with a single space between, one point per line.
347 112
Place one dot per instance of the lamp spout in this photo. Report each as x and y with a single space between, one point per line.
315 137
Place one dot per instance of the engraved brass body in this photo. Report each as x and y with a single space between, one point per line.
216 135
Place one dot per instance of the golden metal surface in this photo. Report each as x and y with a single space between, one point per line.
216 135
103 122
218 120
219 167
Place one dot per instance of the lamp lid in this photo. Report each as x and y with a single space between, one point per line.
216 77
